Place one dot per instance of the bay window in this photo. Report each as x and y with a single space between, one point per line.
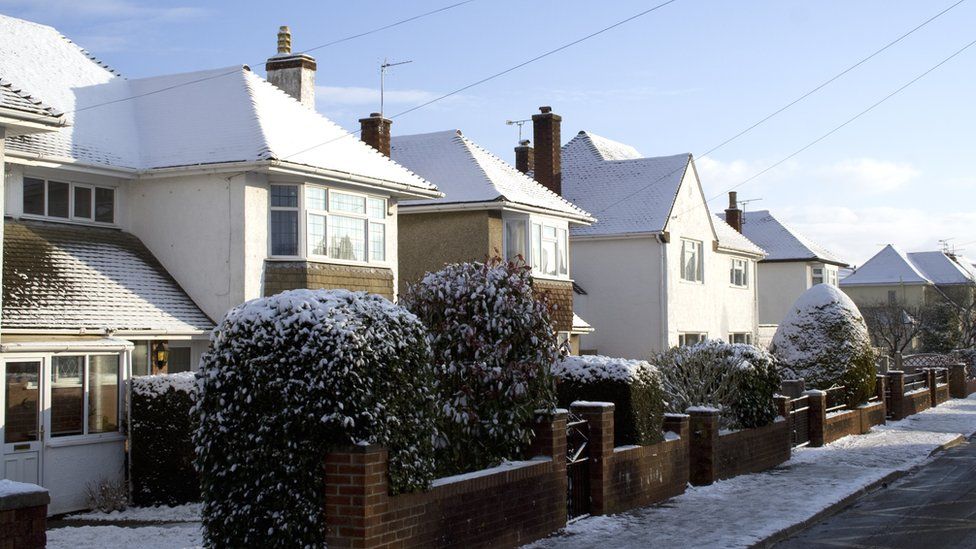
72 201
739 274
742 337
333 224
84 394
691 338
546 241
692 260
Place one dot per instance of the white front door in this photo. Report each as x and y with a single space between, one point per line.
22 428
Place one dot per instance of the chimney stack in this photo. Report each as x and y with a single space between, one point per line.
733 215
292 73
547 154
524 161
375 132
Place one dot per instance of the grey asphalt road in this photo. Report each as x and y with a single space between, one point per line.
932 507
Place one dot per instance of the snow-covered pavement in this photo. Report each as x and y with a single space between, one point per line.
178 527
745 510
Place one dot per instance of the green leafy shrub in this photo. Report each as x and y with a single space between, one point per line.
738 380
942 331
494 343
162 450
634 386
824 341
286 379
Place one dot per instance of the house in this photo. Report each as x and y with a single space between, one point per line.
489 209
793 263
657 269
150 208
910 279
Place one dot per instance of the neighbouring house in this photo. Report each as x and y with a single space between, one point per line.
793 262
489 209
657 269
152 207
910 279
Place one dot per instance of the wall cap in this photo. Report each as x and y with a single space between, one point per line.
19 495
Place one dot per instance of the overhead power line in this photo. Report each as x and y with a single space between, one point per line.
788 105
315 48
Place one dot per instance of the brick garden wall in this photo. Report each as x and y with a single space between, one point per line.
871 415
941 394
753 450
23 520
842 424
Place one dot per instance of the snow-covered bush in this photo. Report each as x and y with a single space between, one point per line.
162 450
494 342
634 386
738 380
286 379
824 341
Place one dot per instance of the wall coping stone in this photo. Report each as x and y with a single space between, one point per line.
18 495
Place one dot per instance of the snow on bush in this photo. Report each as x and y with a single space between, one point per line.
824 341
156 385
494 342
738 380
286 379
634 386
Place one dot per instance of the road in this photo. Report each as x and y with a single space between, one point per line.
933 507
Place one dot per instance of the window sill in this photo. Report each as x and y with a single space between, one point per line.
552 277
81 440
737 287
693 282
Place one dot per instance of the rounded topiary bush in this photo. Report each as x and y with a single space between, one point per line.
738 380
494 342
286 379
634 386
824 341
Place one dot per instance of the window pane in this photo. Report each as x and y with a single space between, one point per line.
33 196
103 393
140 358
284 232
315 198
22 398
57 199
548 257
549 232
339 202
284 196
536 246
377 242
67 395
179 360
105 205
316 234
515 240
83 202
376 208
563 252
347 238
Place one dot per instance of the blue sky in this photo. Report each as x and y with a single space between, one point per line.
681 79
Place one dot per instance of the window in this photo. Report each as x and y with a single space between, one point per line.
831 277
68 200
515 240
739 275
692 338
817 276
84 394
140 359
548 245
744 337
178 360
692 262
338 225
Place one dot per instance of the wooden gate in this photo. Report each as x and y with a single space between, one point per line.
577 467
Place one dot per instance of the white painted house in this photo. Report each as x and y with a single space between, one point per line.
657 269
161 203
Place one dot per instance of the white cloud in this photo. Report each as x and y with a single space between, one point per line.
870 175
110 9
718 176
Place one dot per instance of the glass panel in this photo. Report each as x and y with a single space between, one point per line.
316 234
103 393
284 232
83 202
33 196
549 232
515 239
377 242
67 395
57 199
563 252
339 202
104 205
179 360
315 198
536 246
23 399
284 196
140 358
548 257
347 238
376 208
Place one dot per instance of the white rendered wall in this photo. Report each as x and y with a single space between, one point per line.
780 284
912 295
69 469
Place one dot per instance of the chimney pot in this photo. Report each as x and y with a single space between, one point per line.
284 39
733 199
547 155
545 109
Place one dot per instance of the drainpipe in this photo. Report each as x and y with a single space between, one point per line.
664 292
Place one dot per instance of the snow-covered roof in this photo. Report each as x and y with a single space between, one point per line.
467 173
12 97
206 117
581 326
587 147
58 276
889 266
731 239
940 268
782 242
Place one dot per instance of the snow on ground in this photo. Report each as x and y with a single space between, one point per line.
747 509
162 513
146 537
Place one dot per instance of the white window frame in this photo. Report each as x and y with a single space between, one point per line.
739 266
697 247
684 337
85 435
817 273
304 213
747 338
561 242
71 202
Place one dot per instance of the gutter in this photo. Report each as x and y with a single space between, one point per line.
42 121
406 209
659 235
103 332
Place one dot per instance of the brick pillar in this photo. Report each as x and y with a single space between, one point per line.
880 386
931 380
957 380
793 388
677 424
783 409
599 416
549 437
896 386
703 446
817 402
356 495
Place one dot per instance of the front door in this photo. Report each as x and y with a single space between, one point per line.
23 435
